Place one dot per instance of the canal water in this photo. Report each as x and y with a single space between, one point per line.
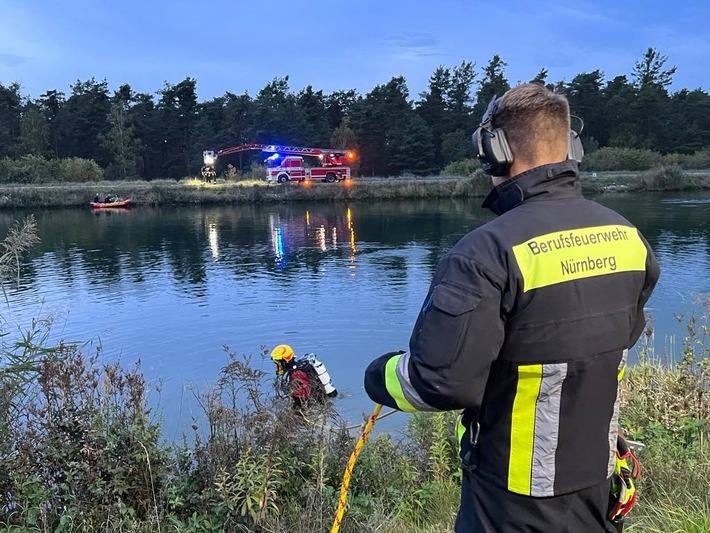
172 287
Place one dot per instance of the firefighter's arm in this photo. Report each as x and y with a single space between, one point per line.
653 272
457 336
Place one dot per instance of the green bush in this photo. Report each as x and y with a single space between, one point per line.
666 178
80 170
611 158
465 167
671 402
700 160
30 169
614 158
255 172
87 428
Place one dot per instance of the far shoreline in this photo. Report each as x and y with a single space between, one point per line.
197 192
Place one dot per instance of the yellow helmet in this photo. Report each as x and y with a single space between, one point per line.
282 355
282 352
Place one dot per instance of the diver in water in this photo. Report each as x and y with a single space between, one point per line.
307 377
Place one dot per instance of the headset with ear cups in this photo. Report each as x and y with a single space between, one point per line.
493 150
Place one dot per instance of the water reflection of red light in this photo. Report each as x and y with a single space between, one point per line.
351 230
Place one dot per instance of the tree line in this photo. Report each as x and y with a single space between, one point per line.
148 136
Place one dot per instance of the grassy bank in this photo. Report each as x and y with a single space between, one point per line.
659 179
196 192
668 408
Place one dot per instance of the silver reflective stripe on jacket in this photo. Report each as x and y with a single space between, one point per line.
547 429
407 389
614 423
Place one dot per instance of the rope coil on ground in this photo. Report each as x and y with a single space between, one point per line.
342 501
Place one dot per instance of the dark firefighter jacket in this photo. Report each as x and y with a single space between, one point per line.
526 327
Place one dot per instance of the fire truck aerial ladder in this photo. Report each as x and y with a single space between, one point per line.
286 162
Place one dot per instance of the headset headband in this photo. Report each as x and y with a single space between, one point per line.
487 118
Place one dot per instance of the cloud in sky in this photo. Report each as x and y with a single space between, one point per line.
338 44
12 60
412 39
411 46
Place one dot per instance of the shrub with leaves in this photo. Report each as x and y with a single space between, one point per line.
615 158
465 167
78 170
671 402
667 178
86 441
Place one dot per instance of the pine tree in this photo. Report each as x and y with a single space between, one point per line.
34 132
122 144
494 83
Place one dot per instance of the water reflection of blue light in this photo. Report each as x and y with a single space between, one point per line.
277 240
279 243
279 247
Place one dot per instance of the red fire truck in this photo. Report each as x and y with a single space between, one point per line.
286 163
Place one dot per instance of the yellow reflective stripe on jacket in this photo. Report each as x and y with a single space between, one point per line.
460 431
579 253
522 428
394 387
622 365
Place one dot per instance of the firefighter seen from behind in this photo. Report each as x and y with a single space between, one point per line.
306 378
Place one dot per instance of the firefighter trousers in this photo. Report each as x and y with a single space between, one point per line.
487 508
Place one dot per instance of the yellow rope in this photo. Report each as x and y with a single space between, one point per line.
349 468
388 413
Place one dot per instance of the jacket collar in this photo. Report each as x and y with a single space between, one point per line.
556 180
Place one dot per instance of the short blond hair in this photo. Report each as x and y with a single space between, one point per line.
534 119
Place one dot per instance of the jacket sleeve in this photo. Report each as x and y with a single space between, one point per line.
653 272
457 336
